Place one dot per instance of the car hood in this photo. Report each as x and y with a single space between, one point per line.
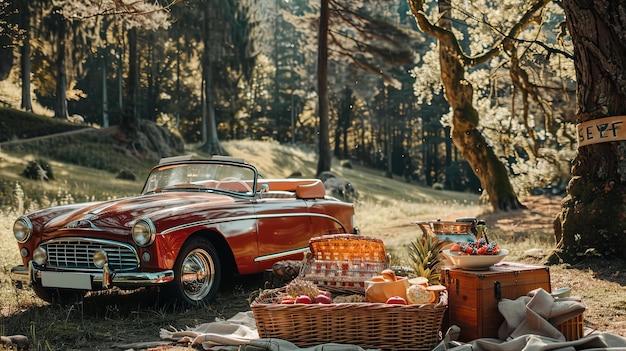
120 215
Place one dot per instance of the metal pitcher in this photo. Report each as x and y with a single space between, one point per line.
461 230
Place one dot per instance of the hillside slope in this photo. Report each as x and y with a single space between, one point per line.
86 165
17 124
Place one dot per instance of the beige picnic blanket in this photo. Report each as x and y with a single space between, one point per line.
239 333
530 326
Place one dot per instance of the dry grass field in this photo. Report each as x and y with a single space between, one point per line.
386 209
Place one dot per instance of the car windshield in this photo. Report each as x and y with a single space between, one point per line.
226 176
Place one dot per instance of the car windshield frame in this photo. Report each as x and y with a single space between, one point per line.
224 176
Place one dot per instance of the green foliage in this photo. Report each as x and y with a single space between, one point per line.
264 75
521 94
38 170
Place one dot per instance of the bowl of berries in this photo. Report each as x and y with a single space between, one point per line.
478 255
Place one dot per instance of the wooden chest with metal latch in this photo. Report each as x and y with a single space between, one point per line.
473 296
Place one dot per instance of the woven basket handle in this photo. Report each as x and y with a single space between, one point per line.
306 264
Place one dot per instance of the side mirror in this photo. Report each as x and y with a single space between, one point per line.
264 188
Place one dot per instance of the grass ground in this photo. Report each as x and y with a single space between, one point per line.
386 209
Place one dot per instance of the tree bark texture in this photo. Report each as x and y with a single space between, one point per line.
25 63
130 117
60 110
211 143
325 152
592 220
465 135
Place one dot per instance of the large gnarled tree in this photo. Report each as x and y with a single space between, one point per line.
592 220
459 91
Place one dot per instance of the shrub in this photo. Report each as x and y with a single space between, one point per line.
38 170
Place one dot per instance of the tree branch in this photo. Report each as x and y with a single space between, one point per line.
447 36
122 8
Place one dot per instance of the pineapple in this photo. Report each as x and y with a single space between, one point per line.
426 258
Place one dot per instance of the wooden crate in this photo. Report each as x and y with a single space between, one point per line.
474 295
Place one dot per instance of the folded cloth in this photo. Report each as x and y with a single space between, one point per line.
536 314
284 345
592 342
239 333
232 332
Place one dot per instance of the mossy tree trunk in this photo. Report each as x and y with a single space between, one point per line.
592 220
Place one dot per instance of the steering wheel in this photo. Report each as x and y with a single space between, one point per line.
232 183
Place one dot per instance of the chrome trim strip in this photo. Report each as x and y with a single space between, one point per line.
265 216
281 254
94 229
122 280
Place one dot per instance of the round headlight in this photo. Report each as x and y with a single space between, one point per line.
100 258
40 256
143 232
22 229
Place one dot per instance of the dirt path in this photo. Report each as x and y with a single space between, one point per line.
540 214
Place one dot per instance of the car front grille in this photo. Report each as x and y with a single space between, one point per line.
77 253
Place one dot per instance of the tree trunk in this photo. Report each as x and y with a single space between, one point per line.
469 140
105 95
211 143
60 110
592 218
130 117
25 63
152 93
325 152
120 76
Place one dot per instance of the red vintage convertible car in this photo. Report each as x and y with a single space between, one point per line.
195 223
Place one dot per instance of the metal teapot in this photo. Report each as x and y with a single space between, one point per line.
461 230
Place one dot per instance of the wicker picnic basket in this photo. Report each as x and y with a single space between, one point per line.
573 328
343 262
369 325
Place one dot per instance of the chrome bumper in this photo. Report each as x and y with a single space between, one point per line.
125 280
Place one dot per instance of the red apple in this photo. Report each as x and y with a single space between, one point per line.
396 300
304 299
323 298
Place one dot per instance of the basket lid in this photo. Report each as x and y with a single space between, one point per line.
352 245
